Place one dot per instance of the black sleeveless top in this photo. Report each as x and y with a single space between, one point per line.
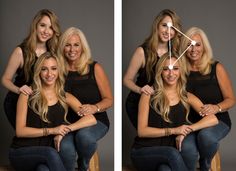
85 89
55 116
142 79
207 89
20 79
177 118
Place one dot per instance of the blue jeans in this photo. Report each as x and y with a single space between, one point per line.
206 143
84 142
164 167
157 158
40 158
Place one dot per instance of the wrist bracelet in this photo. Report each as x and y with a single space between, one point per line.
220 109
98 109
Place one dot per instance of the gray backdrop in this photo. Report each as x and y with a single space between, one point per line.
216 18
94 18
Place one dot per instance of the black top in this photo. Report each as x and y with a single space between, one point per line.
20 79
142 79
85 88
177 118
55 116
207 89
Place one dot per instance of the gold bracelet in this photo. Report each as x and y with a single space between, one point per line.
220 109
165 129
98 109
167 132
45 132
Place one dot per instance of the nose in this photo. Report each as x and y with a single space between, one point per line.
170 71
72 48
46 30
49 72
193 48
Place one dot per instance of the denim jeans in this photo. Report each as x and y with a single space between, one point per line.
206 143
40 158
157 157
164 167
84 142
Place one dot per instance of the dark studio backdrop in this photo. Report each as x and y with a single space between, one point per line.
216 18
94 18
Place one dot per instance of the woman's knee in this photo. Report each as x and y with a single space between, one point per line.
189 145
207 137
84 137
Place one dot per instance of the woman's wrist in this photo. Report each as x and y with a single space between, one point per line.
219 108
98 108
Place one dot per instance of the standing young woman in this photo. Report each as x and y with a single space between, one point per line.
43 36
145 58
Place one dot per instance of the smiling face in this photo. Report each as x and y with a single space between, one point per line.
170 76
163 32
44 29
49 71
194 53
73 48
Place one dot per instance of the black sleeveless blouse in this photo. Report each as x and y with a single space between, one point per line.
85 88
207 89
55 116
177 116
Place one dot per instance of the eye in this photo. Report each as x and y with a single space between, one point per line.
54 68
42 24
165 68
164 24
43 69
175 68
67 45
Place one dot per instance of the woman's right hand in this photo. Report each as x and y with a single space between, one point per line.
182 130
148 90
25 90
61 130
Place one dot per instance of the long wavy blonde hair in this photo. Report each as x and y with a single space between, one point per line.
159 100
30 41
37 101
207 57
153 39
85 58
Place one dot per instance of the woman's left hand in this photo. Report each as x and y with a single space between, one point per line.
208 109
179 139
57 142
87 109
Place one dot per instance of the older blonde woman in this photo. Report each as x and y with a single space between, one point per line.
86 80
208 80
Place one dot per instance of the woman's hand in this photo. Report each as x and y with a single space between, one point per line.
208 109
57 142
148 90
61 130
182 130
25 90
179 139
87 109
